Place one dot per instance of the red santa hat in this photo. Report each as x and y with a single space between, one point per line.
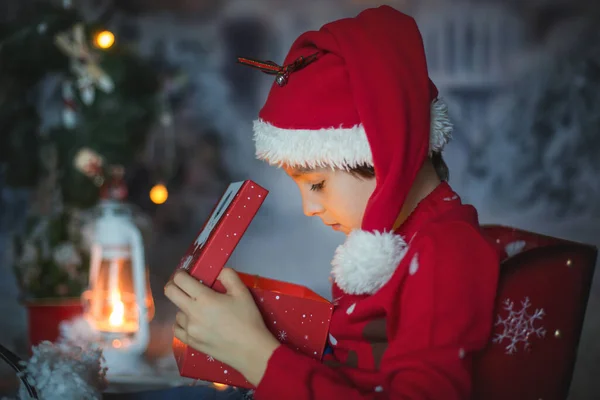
357 92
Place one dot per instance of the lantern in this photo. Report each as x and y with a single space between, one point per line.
118 303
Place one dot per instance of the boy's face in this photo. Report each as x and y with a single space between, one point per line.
337 197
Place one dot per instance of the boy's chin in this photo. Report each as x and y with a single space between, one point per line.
346 231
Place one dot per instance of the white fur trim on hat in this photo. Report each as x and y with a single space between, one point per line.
333 147
341 148
441 127
366 261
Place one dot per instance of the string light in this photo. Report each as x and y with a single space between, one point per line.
159 194
104 39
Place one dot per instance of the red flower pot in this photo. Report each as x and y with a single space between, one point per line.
45 315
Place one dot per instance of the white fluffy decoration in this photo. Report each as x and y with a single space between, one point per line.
63 371
341 148
78 331
367 260
333 147
441 127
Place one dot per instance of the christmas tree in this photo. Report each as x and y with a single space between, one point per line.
108 99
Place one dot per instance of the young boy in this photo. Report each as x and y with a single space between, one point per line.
354 119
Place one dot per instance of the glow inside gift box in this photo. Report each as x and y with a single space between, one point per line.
297 316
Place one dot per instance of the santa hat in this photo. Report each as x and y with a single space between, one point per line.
355 93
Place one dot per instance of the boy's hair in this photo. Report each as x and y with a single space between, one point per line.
368 172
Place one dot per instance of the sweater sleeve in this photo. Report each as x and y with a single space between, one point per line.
439 307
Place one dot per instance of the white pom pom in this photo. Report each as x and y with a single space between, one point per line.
367 260
441 127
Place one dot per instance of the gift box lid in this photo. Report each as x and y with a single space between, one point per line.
229 220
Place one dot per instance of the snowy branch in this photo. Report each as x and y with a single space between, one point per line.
544 134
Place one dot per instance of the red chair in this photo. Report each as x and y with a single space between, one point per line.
542 297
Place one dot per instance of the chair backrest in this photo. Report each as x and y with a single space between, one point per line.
540 306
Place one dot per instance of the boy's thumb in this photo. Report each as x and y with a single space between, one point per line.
231 281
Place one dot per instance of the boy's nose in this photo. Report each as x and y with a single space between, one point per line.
311 207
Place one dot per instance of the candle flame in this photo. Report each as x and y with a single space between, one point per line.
117 316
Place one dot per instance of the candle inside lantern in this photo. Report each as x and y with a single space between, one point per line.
118 313
112 303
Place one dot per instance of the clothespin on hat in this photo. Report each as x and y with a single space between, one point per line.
282 72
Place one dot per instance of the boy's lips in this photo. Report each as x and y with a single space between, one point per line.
333 225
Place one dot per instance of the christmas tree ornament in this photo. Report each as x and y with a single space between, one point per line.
84 63
91 164
69 114
86 89
115 188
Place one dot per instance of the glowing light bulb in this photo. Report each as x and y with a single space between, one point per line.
159 194
105 39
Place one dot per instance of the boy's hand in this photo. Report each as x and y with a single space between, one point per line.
227 326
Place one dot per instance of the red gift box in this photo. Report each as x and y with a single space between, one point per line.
294 314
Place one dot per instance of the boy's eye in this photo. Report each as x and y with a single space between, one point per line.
317 186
